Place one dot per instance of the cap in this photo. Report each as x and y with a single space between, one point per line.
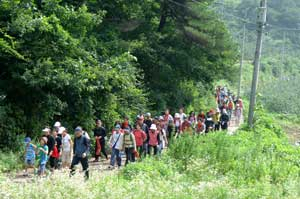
161 118
78 129
27 140
57 124
148 114
61 130
177 115
117 127
46 130
153 127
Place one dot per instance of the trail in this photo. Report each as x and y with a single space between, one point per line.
234 125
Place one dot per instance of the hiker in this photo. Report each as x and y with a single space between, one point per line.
57 126
216 120
81 149
148 120
182 115
224 120
58 144
209 123
100 135
50 140
54 157
230 108
140 138
126 123
201 116
43 156
144 127
129 146
186 126
177 123
153 139
167 116
29 155
162 139
200 127
66 149
116 144
192 118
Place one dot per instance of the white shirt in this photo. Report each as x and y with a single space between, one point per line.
118 139
66 142
182 116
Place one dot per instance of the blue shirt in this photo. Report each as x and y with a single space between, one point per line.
30 152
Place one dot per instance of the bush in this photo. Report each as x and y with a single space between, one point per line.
10 161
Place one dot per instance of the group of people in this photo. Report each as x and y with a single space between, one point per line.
145 136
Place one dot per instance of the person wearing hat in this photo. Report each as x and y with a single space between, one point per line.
81 150
148 120
43 156
29 155
153 139
116 144
50 140
100 135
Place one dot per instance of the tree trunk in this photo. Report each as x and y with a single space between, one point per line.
163 16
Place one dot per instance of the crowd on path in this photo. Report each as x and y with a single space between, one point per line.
146 136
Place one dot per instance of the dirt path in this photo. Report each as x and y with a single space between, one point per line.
101 167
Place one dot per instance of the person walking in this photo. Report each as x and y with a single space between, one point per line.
116 144
66 149
81 150
140 138
153 139
100 135
129 145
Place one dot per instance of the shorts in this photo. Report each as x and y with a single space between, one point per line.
42 168
66 157
29 162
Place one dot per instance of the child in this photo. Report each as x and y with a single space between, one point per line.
43 156
29 155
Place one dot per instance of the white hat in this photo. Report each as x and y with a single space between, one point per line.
177 115
57 124
61 130
46 130
161 118
153 127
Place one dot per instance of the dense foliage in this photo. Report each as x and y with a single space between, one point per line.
77 60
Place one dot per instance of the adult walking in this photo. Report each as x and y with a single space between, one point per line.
100 135
81 150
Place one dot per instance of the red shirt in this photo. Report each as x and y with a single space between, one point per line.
140 136
153 138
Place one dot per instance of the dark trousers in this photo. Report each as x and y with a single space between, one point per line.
53 163
140 149
217 127
154 148
85 165
130 157
103 150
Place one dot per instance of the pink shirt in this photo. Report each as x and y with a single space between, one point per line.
153 138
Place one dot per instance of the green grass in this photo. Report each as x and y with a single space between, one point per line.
258 163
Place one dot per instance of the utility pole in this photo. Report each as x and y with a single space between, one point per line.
261 22
242 60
